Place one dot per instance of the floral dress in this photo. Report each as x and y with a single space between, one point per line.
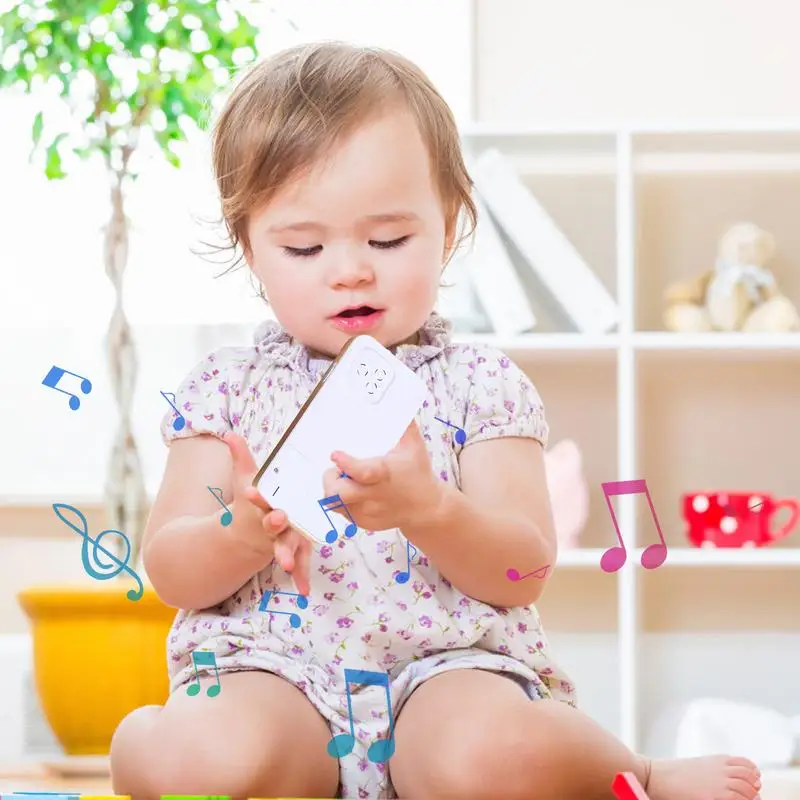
358 616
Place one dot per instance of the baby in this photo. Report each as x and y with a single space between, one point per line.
343 185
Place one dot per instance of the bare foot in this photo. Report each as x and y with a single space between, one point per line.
705 778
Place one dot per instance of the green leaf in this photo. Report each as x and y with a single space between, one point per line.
52 167
171 157
38 127
54 41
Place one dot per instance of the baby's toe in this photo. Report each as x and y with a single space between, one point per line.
737 761
739 789
744 779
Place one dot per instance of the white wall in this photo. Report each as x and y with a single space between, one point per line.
588 60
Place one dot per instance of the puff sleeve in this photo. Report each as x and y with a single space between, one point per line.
502 400
202 400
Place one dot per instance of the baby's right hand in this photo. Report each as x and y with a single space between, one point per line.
260 526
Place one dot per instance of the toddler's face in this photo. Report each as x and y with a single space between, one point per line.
364 230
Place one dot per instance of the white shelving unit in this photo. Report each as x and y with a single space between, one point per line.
650 175
686 412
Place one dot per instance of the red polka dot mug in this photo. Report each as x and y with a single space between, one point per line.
736 519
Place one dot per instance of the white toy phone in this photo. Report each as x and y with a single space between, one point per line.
361 406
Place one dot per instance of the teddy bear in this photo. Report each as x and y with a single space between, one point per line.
738 294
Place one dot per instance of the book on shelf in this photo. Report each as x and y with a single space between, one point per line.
545 249
497 286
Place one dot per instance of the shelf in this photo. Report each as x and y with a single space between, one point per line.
726 345
657 149
560 344
779 344
731 127
43 500
765 557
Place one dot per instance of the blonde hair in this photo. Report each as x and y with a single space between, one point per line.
288 112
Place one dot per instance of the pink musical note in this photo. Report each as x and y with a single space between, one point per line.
513 574
654 555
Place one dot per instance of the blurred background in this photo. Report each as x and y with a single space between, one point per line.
614 145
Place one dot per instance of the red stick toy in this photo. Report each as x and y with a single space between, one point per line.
626 786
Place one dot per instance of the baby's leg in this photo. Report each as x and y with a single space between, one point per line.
259 737
472 734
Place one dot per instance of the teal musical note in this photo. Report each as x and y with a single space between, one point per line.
204 658
342 745
56 374
227 514
103 571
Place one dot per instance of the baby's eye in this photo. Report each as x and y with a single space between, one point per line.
389 245
302 252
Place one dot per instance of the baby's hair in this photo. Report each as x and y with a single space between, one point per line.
287 113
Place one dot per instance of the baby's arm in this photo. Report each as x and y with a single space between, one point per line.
501 519
190 558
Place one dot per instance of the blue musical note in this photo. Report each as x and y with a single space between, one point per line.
206 659
294 619
179 422
460 435
56 374
402 577
227 514
342 745
101 572
328 504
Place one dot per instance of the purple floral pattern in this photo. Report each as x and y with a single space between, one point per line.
358 616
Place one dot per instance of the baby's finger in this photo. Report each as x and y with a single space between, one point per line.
275 522
257 499
302 564
284 551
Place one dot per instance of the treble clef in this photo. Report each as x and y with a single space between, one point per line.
102 571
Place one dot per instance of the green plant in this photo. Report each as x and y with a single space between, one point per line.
124 69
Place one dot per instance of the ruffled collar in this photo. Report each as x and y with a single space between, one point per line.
274 342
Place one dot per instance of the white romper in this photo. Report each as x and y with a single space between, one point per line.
358 616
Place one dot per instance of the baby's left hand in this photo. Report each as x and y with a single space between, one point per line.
393 491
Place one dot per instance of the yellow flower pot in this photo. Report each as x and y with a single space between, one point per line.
97 656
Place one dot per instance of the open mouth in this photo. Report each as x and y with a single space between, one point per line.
361 311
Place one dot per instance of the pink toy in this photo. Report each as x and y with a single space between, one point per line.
569 493
627 787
